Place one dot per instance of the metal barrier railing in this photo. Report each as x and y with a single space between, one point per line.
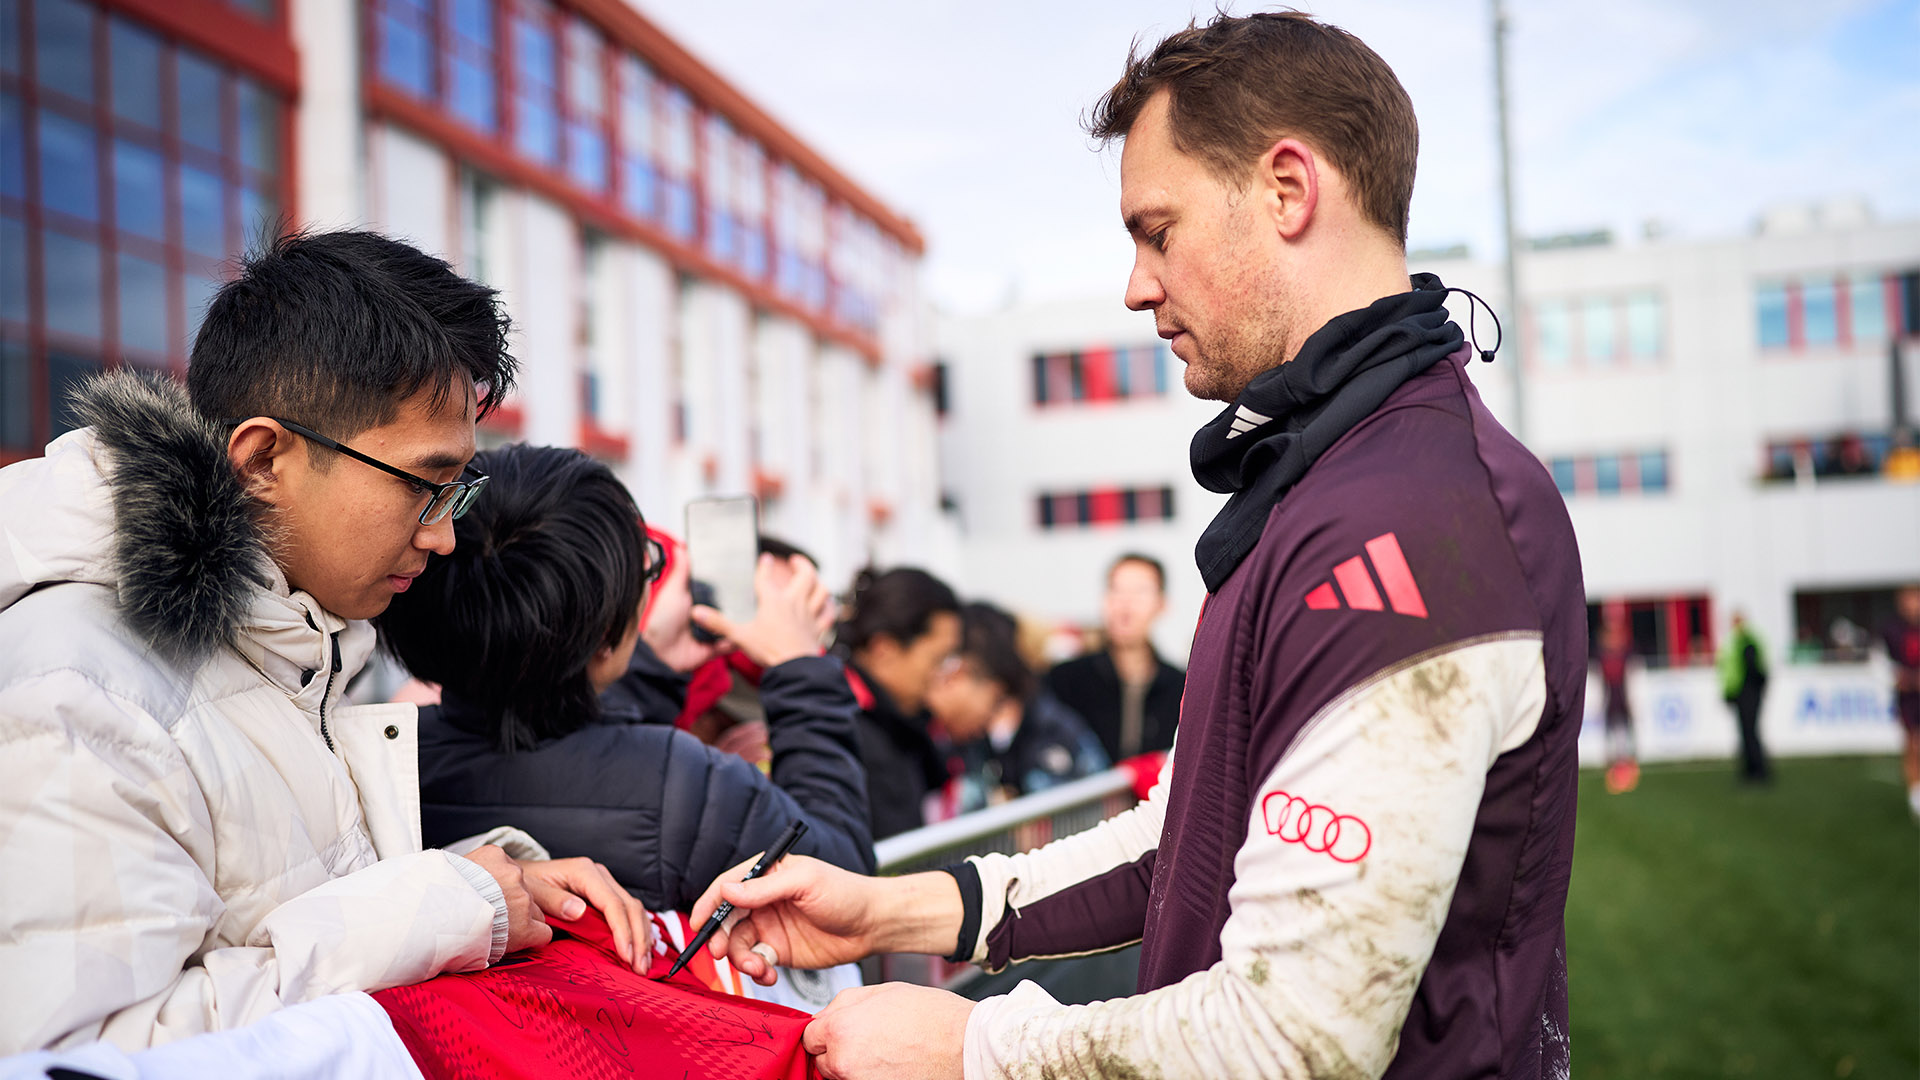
1009 828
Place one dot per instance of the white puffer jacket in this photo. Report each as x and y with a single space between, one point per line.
195 829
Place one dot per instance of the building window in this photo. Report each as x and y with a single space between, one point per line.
479 229
1653 470
1554 321
1103 506
470 64
676 160
121 200
1837 456
639 177
1643 326
1867 307
1819 318
749 202
717 175
586 106
1840 625
1610 474
1100 373
406 45
1665 632
535 82
1597 324
1771 304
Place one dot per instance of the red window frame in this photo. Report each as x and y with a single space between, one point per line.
248 47
624 30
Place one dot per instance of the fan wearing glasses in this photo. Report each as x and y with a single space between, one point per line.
200 829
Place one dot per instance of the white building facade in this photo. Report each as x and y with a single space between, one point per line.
1719 415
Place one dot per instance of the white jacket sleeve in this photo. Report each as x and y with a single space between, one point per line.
1352 850
107 902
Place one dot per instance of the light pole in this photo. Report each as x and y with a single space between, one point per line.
1516 350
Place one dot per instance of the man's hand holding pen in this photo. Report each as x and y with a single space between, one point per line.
811 914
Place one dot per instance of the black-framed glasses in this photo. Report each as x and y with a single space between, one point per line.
655 554
452 497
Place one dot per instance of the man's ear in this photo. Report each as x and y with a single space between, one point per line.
1289 174
261 453
882 648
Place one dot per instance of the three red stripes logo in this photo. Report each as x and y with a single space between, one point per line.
1356 584
1341 837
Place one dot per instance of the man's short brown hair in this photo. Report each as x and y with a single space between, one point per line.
1240 83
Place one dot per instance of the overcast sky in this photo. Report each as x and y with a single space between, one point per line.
1697 114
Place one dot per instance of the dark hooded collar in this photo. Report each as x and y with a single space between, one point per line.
188 550
1260 446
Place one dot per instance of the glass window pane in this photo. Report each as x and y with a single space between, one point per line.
72 282
139 190
473 93
587 156
1556 332
534 66
1653 471
143 304
586 93
13 270
198 291
1596 322
63 47
1643 325
10 36
202 214
1867 296
1606 474
473 21
638 185
1564 476
1817 304
69 170
13 148
259 216
16 382
534 47
636 107
64 372
406 45
1771 306
259 127
136 73
199 103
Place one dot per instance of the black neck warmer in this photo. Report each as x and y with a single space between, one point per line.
1260 446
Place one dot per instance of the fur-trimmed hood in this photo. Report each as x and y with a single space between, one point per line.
142 500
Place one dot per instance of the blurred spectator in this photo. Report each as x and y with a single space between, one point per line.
1743 682
1616 649
1127 694
533 615
1011 736
899 630
723 707
1902 639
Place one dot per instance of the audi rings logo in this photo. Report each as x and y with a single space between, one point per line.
1296 821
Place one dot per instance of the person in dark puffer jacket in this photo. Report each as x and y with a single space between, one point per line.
534 614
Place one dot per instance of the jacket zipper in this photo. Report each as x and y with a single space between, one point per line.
334 639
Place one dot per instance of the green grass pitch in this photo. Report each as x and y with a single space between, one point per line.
1721 931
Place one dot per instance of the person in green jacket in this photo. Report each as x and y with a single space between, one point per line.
1743 682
